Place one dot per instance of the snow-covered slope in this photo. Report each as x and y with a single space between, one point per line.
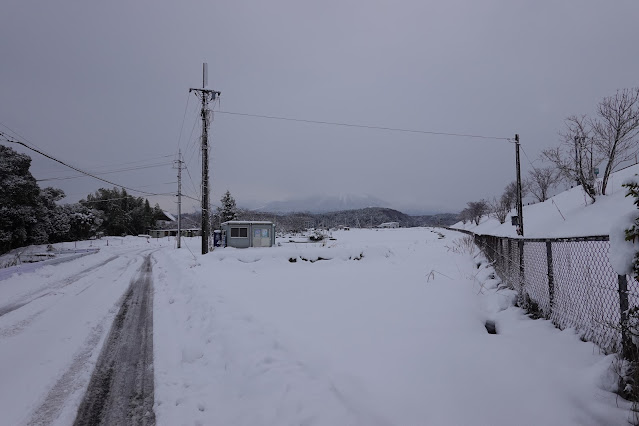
568 214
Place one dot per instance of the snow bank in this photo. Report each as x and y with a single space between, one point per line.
568 214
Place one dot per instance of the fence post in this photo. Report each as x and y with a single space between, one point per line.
551 277
626 342
520 243
510 262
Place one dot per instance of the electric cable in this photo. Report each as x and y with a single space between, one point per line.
105 173
362 126
73 167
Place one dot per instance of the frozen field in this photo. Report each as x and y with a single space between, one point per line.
388 329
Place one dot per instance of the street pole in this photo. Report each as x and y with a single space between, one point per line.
205 95
179 194
520 207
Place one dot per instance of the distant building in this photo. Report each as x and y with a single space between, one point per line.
248 233
388 225
167 227
172 232
167 221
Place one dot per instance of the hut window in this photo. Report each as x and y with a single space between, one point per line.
239 232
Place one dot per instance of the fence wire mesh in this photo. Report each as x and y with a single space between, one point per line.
569 281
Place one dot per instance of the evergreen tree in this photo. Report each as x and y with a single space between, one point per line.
19 198
228 210
123 214
53 220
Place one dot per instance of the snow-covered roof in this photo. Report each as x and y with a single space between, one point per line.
169 215
247 222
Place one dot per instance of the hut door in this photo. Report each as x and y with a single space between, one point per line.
261 238
257 238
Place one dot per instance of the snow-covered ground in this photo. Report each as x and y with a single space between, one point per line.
569 213
376 327
387 329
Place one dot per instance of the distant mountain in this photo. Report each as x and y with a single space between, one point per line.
324 203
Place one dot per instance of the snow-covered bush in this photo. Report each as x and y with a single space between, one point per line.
316 236
624 257
632 232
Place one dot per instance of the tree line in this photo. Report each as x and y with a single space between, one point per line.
607 139
32 215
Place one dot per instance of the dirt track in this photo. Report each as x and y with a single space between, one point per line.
121 388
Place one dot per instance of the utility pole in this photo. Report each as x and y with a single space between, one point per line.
179 195
205 95
520 207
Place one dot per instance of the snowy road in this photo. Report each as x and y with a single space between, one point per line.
121 387
53 323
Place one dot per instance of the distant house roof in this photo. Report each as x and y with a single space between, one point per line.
169 216
388 225
246 222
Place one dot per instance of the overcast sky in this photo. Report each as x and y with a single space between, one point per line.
104 86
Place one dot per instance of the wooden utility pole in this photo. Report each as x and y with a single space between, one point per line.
205 95
179 195
520 207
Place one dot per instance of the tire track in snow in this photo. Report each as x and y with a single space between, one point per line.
121 388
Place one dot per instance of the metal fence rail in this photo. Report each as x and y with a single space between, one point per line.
569 281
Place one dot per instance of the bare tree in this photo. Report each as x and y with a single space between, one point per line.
541 180
499 208
616 129
575 157
510 193
477 209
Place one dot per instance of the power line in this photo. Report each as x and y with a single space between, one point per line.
72 167
191 180
188 97
98 168
105 200
127 169
362 126
192 198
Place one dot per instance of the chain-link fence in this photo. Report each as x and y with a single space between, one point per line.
569 281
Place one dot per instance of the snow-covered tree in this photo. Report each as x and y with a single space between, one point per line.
19 197
52 220
228 210
84 222
123 214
